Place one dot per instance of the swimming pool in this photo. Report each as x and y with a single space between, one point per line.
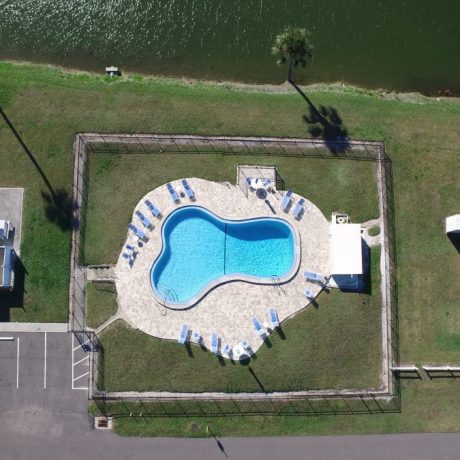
201 250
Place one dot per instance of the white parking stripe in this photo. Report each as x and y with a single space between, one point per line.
81 360
73 351
80 376
44 367
17 365
7 338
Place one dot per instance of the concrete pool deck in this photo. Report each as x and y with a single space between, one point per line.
228 309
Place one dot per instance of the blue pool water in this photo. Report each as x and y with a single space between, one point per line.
199 247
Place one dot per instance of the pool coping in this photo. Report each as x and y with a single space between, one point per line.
223 279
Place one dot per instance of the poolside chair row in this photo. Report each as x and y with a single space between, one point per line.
175 196
298 208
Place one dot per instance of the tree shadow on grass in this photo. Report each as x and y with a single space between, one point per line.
14 298
58 208
326 124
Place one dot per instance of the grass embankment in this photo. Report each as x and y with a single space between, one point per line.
48 106
101 303
335 345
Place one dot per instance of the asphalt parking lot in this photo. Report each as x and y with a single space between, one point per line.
44 375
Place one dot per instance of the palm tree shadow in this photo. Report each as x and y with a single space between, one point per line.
58 208
326 124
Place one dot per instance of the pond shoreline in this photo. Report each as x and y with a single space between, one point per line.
267 88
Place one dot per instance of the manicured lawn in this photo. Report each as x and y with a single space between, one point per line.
101 303
334 345
48 107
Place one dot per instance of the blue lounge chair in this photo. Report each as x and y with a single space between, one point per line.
153 209
258 327
188 191
298 208
139 233
274 318
309 294
183 334
130 248
267 183
145 222
314 277
286 200
248 181
214 343
172 193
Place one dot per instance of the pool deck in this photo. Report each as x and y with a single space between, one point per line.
228 309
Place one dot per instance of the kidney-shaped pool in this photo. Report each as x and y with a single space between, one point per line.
201 250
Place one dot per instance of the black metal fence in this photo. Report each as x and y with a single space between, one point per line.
367 402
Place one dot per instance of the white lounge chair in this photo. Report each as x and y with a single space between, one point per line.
172 193
214 343
274 318
258 327
153 209
188 190
183 334
145 222
314 277
309 294
298 208
139 233
286 200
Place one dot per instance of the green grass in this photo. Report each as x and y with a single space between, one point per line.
332 185
101 299
48 107
374 231
334 345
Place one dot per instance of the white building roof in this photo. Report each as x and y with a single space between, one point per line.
453 223
346 252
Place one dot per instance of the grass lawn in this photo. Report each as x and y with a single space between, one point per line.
101 303
336 345
48 107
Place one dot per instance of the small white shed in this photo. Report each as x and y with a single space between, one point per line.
346 255
453 224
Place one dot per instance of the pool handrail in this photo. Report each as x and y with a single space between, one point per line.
172 193
188 190
286 200
152 208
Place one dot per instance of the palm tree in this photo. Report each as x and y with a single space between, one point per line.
293 46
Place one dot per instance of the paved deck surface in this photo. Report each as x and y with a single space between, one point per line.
228 309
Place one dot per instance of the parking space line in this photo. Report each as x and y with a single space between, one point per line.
17 365
7 338
73 351
44 367
81 360
80 376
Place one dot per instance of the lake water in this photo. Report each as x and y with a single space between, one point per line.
394 44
